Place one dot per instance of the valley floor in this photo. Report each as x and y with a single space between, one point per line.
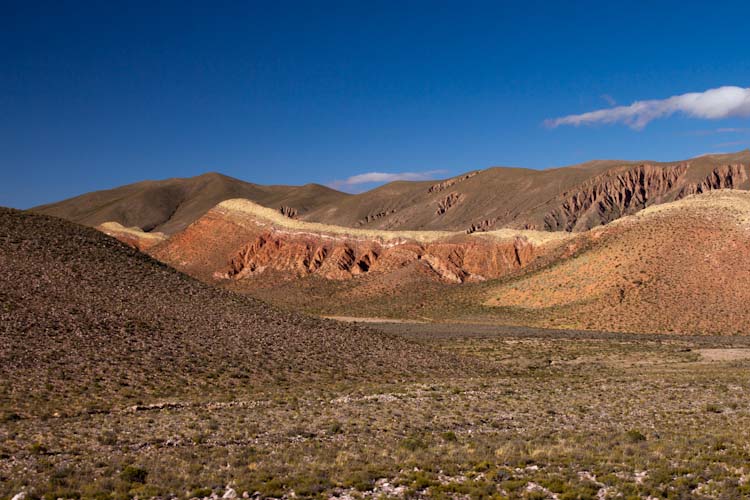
559 415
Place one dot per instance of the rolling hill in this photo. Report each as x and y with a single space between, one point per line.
87 323
681 267
169 206
574 198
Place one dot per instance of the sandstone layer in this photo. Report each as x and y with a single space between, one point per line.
239 239
134 237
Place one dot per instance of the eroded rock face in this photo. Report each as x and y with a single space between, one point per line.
339 259
724 177
288 212
446 203
621 192
613 195
440 186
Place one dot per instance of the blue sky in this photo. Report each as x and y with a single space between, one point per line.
95 95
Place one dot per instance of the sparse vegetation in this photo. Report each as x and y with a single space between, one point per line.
210 391
610 414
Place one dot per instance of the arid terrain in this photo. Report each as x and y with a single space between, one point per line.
590 344
640 247
678 267
573 198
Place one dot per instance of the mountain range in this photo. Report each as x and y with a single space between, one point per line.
605 245
573 198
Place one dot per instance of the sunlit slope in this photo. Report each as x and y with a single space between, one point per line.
679 267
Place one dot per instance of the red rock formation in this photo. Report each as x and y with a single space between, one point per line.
288 211
238 240
301 255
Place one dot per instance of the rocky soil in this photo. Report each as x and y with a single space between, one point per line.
89 324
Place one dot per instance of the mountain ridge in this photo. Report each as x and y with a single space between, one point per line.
572 198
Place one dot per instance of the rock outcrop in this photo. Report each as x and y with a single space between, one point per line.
481 226
239 240
613 195
376 216
304 254
440 186
448 202
134 237
288 211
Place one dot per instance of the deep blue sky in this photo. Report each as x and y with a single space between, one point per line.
94 95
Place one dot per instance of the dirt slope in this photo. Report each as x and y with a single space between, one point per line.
170 205
87 322
572 198
680 267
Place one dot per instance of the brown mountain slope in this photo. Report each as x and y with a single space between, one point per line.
170 205
679 267
88 323
572 198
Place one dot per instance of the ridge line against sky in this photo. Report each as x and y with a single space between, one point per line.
94 95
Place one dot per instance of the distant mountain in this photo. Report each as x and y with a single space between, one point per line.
573 198
168 206
676 267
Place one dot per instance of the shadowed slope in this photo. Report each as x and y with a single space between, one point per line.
171 205
86 322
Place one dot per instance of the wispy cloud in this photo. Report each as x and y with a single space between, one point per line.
610 100
731 144
713 104
383 177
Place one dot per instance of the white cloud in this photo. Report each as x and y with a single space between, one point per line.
713 104
383 177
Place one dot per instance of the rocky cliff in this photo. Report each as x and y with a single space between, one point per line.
625 191
239 240
303 254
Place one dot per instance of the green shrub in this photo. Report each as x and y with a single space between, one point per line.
450 436
413 443
635 436
134 474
